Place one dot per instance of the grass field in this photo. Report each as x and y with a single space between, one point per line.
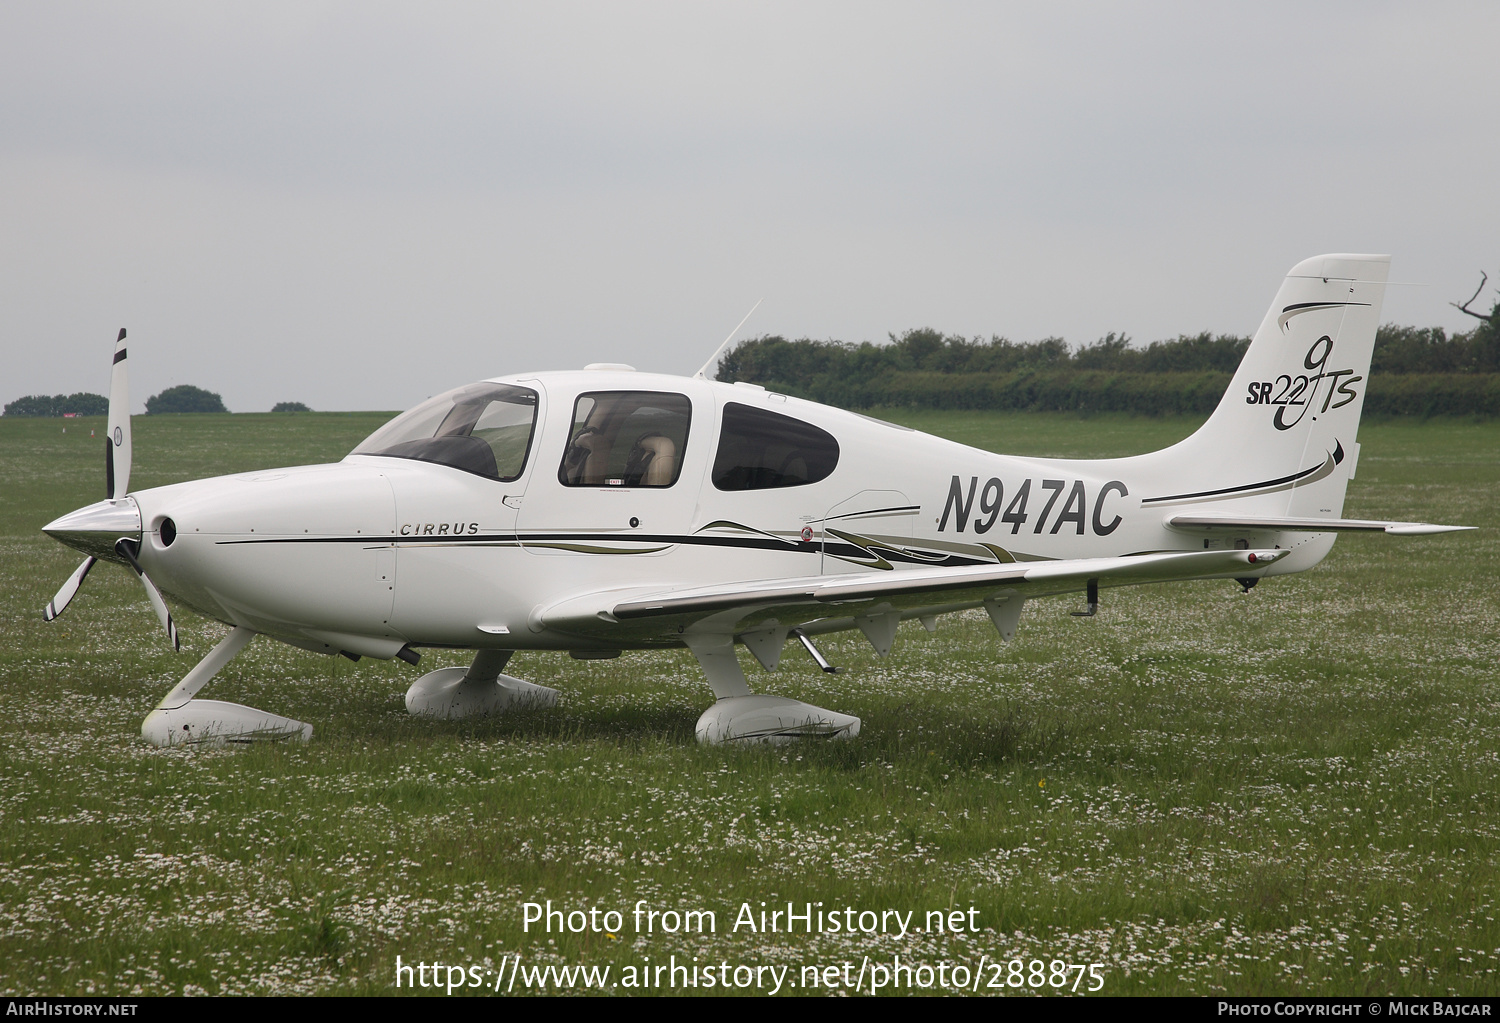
1290 791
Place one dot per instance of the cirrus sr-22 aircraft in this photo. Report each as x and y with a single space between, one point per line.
605 510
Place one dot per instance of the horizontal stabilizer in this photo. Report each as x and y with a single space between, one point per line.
1310 525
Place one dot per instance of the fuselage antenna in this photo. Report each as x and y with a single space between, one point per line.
702 374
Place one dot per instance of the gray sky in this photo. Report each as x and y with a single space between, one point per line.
359 205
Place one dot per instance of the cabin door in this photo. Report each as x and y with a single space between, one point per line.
870 530
617 473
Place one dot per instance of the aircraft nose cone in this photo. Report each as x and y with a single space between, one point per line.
95 528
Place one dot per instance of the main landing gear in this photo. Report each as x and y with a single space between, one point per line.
476 691
739 716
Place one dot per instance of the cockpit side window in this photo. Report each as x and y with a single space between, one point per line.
485 429
626 439
760 450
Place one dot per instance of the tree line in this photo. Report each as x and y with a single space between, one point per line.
173 400
82 403
1414 371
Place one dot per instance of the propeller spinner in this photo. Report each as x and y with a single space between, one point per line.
109 529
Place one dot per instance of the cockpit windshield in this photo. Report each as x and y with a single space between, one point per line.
485 429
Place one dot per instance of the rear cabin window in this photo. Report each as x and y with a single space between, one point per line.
760 450
626 439
484 429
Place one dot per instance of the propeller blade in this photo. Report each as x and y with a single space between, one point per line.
64 597
162 614
117 437
127 549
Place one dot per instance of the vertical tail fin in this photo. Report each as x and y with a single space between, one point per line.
1283 438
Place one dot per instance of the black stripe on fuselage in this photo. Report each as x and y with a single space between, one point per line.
873 511
1235 490
520 540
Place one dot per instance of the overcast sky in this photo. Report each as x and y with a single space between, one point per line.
359 205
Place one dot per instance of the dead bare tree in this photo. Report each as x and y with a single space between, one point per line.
1483 280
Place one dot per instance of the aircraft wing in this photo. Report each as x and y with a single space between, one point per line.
824 603
1309 525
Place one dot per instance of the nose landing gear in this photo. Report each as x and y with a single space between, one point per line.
180 720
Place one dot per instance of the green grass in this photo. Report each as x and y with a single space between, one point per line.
1291 791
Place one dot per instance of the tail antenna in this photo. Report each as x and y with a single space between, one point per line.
702 374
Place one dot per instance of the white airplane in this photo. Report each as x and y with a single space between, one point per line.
605 510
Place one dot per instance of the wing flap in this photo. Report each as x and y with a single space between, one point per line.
1311 525
738 606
